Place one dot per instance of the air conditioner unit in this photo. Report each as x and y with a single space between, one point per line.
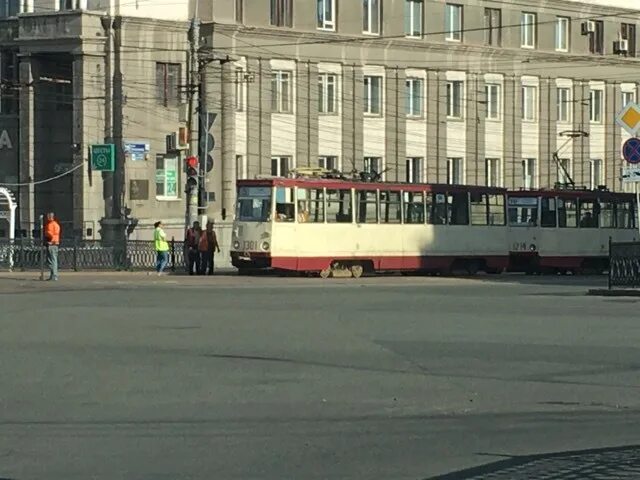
588 27
621 46
183 138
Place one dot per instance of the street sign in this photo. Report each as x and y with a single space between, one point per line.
103 157
136 152
631 174
207 143
208 119
629 118
631 150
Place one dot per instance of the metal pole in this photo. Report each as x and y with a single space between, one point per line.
194 39
42 250
637 208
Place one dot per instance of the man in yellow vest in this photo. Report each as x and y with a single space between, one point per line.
162 248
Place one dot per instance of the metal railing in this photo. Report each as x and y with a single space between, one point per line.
78 254
624 265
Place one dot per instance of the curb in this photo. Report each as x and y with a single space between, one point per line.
602 292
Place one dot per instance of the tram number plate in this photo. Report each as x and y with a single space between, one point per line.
249 245
519 247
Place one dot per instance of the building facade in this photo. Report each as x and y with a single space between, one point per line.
468 91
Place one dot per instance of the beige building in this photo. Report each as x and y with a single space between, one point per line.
468 91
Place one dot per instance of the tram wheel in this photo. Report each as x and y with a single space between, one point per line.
357 271
326 273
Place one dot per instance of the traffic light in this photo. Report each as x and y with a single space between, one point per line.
192 173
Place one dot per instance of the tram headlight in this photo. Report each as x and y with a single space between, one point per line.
533 247
236 245
265 246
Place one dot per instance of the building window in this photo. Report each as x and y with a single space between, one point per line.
529 173
328 162
371 16
454 171
596 38
627 98
454 99
326 14
167 177
494 101
413 99
10 8
528 24
595 173
413 18
415 170
564 105
563 25
373 95
453 22
596 98
374 166
68 4
493 172
241 167
240 90
280 166
167 81
282 13
239 11
565 171
327 93
9 78
493 27
628 33
281 92
529 103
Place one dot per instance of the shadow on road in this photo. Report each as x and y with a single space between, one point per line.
602 464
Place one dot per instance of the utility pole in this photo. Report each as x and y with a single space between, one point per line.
193 91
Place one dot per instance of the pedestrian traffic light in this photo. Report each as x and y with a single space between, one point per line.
192 172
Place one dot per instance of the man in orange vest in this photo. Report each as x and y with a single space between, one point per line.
52 241
207 245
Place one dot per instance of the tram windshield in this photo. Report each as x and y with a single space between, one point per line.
254 204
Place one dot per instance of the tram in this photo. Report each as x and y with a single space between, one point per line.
346 228
567 230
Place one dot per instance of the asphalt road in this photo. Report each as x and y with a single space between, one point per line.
133 377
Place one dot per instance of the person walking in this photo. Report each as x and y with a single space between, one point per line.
162 247
52 241
207 246
192 239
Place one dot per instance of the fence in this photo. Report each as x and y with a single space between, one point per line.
624 265
77 254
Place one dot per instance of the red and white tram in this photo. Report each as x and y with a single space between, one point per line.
567 230
337 226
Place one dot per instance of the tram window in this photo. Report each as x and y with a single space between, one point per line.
339 209
439 209
567 213
458 205
479 209
589 211
310 205
496 210
413 207
390 207
523 211
254 204
548 212
284 204
367 206
626 215
607 217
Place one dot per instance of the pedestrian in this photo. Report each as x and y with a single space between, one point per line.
162 247
52 241
207 246
192 238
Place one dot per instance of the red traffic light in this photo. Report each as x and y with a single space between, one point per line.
192 162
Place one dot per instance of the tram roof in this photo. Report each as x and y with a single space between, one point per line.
338 184
569 193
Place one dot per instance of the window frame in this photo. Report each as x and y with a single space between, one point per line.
241 90
324 106
371 8
563 33
451 104
453 32
279 159
633 98
367 164
324 158
239 11
525 26
596 109
368 90
163 84
452 163
526 171
164 158
412 85
410 172
566 104
281 13
322 22
498 97
596 38
492 31
526 117
410 7
489 171
276 96
628 33
592 170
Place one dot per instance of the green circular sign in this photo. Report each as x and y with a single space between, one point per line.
101 160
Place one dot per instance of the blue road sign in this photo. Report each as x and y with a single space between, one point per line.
631 150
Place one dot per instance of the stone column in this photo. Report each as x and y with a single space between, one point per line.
395 124
352 117
475 126
581 92
512 128
613 138
436 104
228 139
306 114
26 197
547 131
259 118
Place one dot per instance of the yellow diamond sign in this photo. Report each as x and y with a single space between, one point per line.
629 118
